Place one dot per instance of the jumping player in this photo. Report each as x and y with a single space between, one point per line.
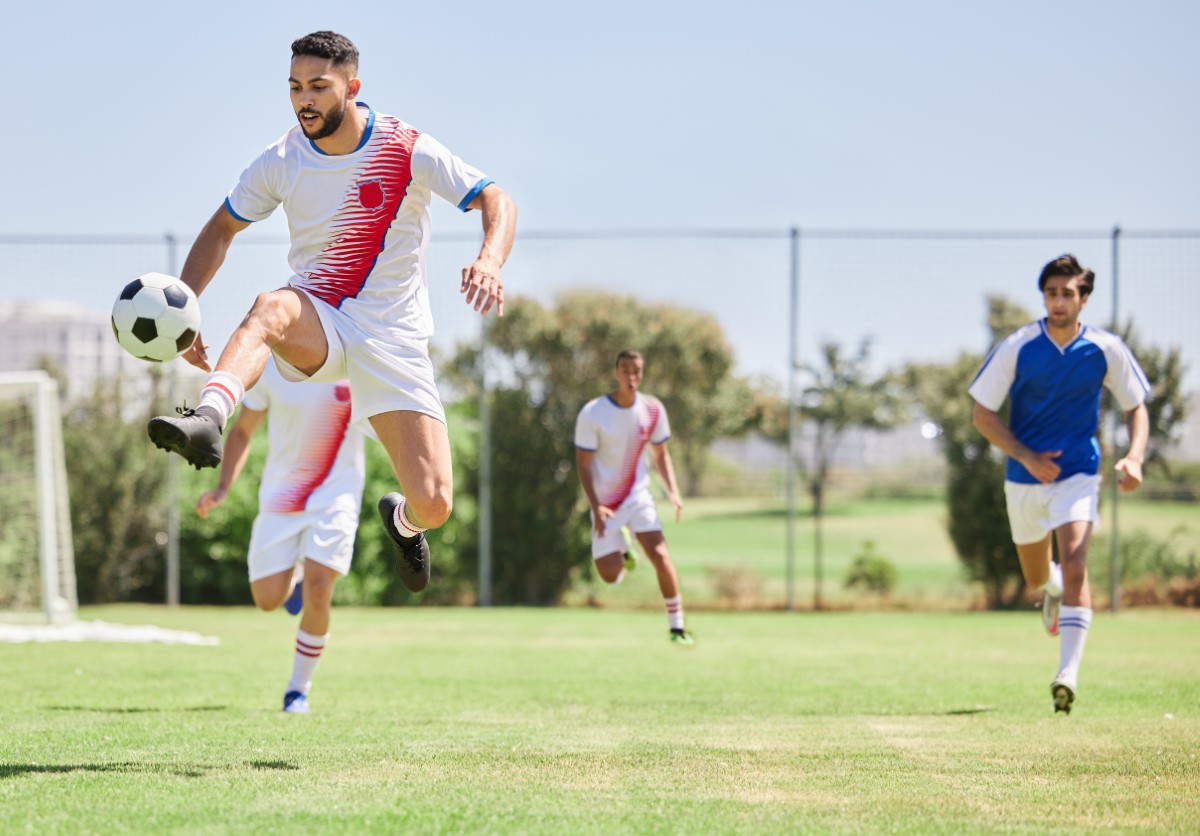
1053 371
308 501
611 433
356 186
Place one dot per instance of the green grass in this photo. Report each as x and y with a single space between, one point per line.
589 721
750 537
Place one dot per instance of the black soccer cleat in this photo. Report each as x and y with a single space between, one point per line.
412 553
1064 697
194 435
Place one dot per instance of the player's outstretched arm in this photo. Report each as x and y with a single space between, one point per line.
666 469
203 260
992 427
1129 468
600 513
481 281
237 449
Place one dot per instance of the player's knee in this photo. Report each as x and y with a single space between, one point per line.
610 576
269 311
1074 572
434 509
319 588
267 603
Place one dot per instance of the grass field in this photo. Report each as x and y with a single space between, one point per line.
750 536
589 721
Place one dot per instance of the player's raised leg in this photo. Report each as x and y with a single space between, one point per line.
655 546
1043 575
419 448
284 321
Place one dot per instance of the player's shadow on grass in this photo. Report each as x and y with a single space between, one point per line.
15 770
134 709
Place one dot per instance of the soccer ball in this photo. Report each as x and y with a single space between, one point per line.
156 317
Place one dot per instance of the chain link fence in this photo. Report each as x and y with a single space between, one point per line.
779 294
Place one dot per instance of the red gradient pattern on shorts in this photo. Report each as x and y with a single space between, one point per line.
327 434
359 228
634 447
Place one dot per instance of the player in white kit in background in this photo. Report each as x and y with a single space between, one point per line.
356 186
611 434
1052 372
308 506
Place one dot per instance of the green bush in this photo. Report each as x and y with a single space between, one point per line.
871 572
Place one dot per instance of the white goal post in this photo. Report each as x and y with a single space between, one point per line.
37 557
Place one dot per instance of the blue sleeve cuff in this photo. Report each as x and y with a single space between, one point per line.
235 214
471 195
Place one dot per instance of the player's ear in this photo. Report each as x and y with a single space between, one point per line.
352 88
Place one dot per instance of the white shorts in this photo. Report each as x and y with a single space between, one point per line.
280 541
1036 510
638 512
386 374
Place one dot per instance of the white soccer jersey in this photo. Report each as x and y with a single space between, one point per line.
359 222
314 459
618 436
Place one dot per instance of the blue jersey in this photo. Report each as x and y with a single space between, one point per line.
1055 392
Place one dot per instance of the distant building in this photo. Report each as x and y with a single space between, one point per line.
77 340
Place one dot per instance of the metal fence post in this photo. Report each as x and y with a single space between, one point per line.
172 463
793 363
485 475
1115 547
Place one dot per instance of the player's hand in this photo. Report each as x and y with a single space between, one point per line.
210 500
1130 471
1042 466
601 514
197 355
483 286
678 503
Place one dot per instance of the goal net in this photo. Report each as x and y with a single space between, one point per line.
37 560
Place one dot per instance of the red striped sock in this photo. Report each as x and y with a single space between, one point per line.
674 611
308 653
403 525
223 391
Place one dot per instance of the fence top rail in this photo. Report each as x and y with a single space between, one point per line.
781 233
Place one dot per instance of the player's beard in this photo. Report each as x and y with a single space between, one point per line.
330 121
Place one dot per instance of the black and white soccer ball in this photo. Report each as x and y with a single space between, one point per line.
156 317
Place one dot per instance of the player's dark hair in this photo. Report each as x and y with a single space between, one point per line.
1067 265
629 354
325 44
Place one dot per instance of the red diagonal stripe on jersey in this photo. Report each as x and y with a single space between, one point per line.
358 234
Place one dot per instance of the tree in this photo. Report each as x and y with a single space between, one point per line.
842 394
116 480
548 363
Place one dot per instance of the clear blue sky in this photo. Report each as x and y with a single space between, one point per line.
750 114
136 117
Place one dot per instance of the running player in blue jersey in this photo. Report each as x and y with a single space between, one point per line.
1053 371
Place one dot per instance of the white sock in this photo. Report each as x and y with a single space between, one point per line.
222 392
308 653
1054 586
1073 623
674 611
403 524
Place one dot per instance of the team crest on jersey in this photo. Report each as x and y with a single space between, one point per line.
341 392
371 194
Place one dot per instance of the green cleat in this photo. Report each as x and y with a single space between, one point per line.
631 561
682 637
